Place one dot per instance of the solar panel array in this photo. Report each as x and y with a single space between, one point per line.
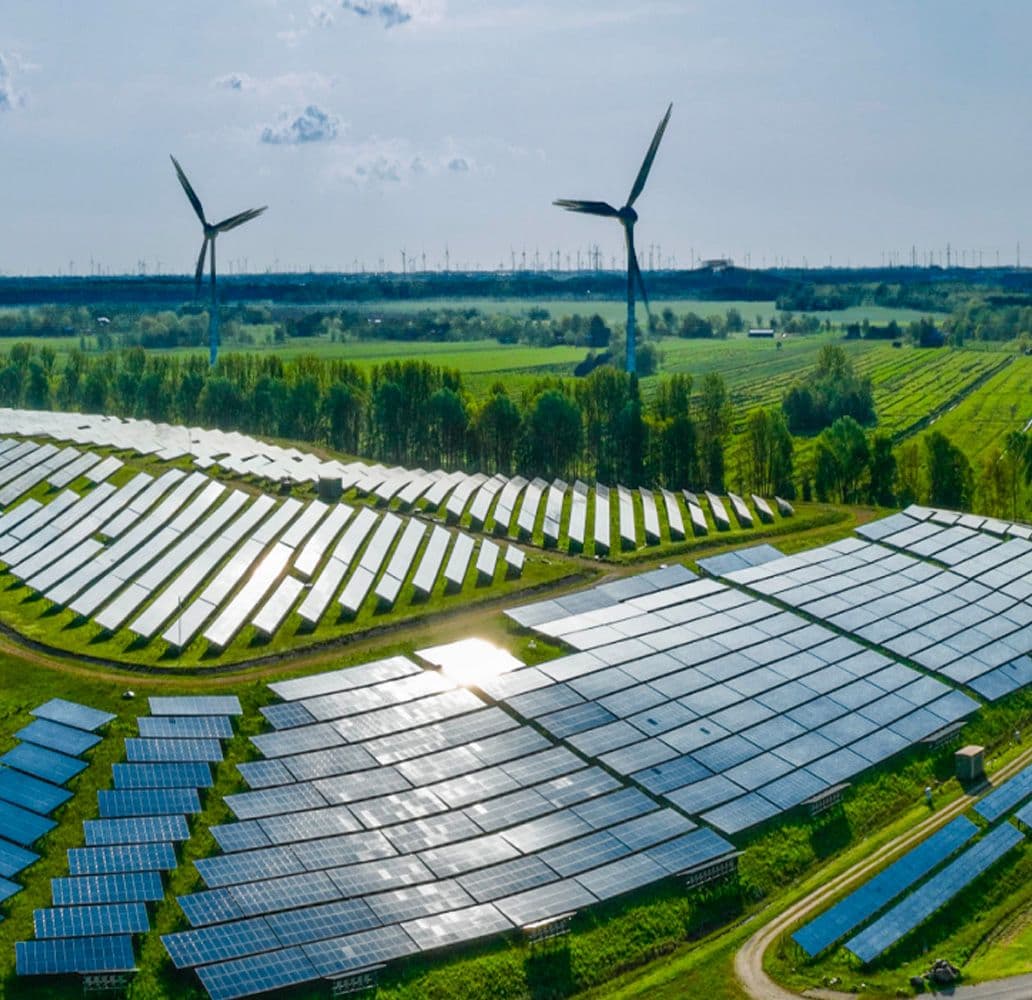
188 557
873 896
32 776
394 813
930 897
728 706
966 617
103 901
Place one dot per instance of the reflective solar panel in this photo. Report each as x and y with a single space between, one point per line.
30 793
75 955
91 921
55 736
49 765
861 904
138 829
123 887
22 826
934 894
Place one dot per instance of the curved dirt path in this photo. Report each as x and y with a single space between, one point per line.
749 958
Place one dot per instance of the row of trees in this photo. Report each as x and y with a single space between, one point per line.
405 412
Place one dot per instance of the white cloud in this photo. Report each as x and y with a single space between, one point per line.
380 162
392 13
299 128
11 97
295 84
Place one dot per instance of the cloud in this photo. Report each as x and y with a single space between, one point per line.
298 128
382 162
295 84
320 17
11 98
395 12
233 81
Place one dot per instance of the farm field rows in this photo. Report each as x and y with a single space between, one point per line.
1003 404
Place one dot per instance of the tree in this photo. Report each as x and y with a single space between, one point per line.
448 422
882 466
497 431
553 435
769 453
714 424
950 480
840 461
343 409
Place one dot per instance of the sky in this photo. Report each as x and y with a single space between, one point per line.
802 132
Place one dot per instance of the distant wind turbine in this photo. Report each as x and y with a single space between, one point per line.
210 232
628 217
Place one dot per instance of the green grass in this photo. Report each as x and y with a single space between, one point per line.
1004 404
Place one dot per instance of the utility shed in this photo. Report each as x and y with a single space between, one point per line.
970 764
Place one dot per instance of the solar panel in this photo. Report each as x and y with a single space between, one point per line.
430 564
360 950
21 826
934 894
144 751
861 904
123 887
75 955
14 859
121 858
69 713
54 736
1003 799
185 727
257 974
196 705
137 829
30 793
91 921
187 774
458 561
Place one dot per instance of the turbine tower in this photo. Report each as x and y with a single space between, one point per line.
210 232
628 217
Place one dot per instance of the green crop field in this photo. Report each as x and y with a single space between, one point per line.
1003 404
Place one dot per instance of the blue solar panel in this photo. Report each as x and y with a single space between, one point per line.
144 751
8 889
135 830
1003 799
186 727
14 859
75 955
221 942
186 774
934 894
68 713
257 974
123 887
875 894
22 826
54 736
91 921
31 793
1024 814
148 802
42 763
123 858
196 705
690 850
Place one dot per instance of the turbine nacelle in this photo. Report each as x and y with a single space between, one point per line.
627 215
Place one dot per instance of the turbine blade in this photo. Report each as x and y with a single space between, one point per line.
199 273
632 264
646 166
588 207
190 193
238 220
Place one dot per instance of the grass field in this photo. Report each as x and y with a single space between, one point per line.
1004 404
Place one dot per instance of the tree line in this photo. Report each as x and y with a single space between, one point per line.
404 412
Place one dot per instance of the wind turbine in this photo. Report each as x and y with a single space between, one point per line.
210 232
628 217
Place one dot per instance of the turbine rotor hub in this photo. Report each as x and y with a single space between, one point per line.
627 215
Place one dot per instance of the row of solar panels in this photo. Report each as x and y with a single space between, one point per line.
876 895
395 813
730 707
967 616
103 901
571 516
511 506
179 546
32 778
